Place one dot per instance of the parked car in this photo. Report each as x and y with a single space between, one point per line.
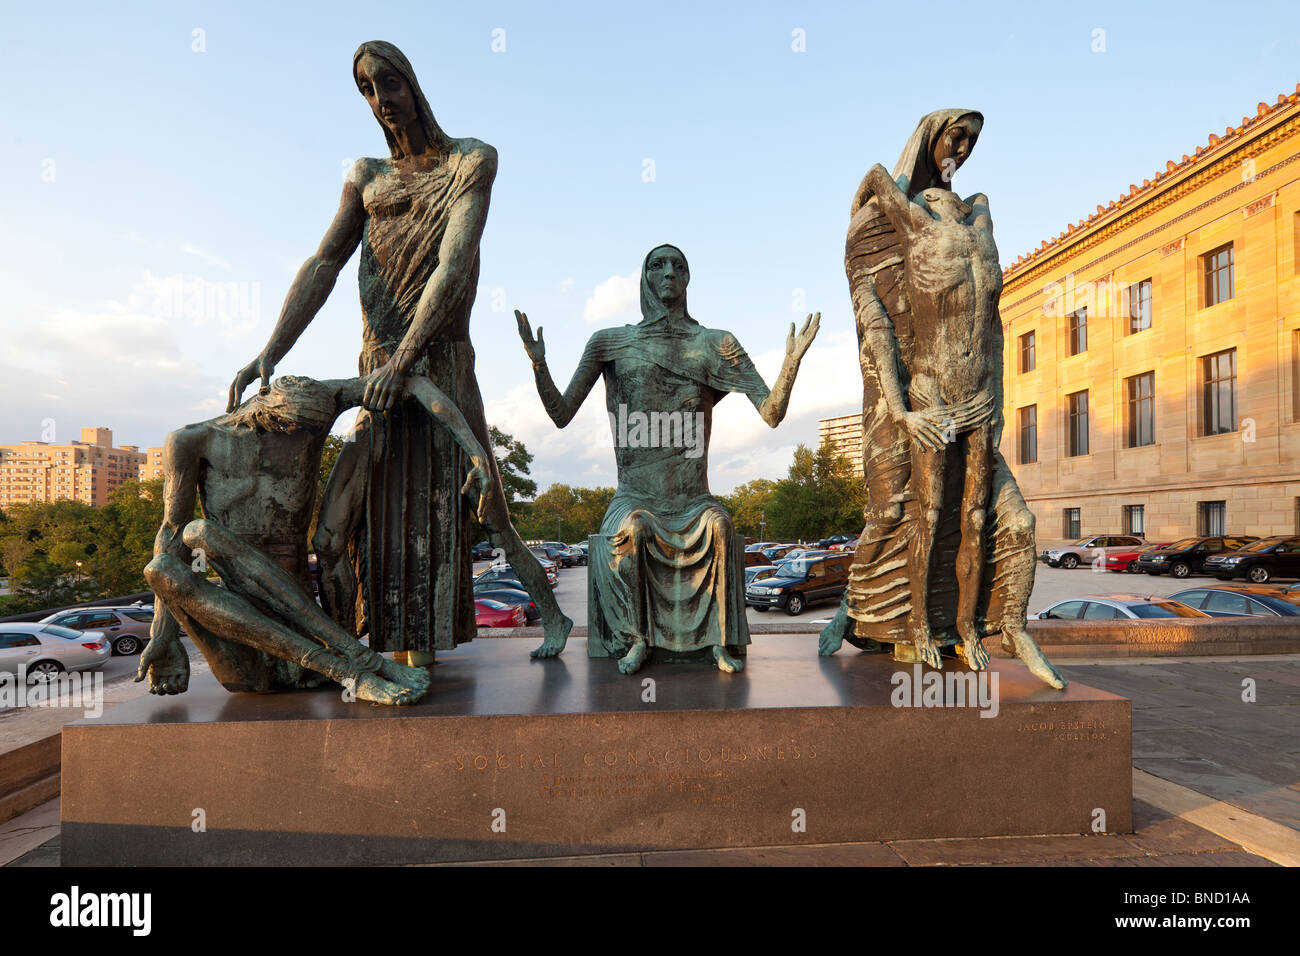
777 552
1125 560
801 582
504 572
481 551
757 572
850 545
1260 561
578 555
825 544
1242 601
1188 555
501 591
1086 549
127 628
489 613
548 563
1102 607
47 650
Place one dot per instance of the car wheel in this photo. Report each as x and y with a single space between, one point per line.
124 646
1180 570
1070 562
43 671
1132 567
1258 574
794 605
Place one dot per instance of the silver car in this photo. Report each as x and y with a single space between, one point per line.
1102 607
127 627
44 651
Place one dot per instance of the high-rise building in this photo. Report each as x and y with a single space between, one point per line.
87 470
845 433
1152 361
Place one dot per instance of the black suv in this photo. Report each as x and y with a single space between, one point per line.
800 582
1265 559
1189 555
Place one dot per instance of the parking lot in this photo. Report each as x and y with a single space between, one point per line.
1050 585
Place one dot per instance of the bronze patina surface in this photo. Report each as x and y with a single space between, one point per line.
666 570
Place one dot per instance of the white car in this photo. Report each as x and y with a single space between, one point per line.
44 651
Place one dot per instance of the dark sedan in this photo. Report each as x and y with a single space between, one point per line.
1188 556
1261 561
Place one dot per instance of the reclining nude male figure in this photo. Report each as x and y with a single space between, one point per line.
254 472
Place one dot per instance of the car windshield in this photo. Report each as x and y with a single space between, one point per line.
1263 544
1185 543
1081 542
797 568
65 632
1162 609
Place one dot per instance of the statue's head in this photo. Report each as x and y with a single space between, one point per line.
292 401
386 79
667 274
954 143
946 206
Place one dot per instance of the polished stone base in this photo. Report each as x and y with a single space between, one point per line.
510 757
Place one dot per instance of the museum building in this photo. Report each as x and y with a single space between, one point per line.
1152 350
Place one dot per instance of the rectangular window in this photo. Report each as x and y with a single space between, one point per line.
1028 359
1135 521
1295 376
1077 423
1139 306
1028 434
1073 524
1141 410
1218 265
1079 331
1211 517
1219 393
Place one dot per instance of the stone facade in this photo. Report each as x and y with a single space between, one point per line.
1186 290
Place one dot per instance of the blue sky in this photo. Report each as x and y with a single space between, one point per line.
135 171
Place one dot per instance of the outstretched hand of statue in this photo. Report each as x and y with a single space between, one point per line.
261 367
795 345
535 348
166 665
480 484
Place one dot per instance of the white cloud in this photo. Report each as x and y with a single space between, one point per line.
616 296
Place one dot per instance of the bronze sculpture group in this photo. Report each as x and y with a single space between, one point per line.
946 554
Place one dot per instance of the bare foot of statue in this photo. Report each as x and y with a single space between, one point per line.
726 663
1027 649
377 690
557 635
928 650
631 662
971 648
832 636
416 678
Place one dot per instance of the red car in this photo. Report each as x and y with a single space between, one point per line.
489 613
1126 559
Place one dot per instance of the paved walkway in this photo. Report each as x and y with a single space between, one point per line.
1216 782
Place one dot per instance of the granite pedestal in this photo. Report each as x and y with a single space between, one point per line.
512 758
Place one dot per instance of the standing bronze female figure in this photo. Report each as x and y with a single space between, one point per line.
884 593
393 507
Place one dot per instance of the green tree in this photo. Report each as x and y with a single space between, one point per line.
577 511
748 505
513 461
820 496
